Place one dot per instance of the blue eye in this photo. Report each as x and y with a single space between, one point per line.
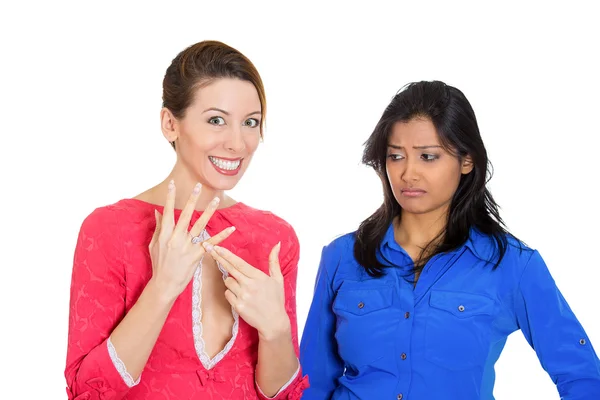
216 121
251 122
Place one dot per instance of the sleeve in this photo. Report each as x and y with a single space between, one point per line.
553 331
318 351
97 304
294 388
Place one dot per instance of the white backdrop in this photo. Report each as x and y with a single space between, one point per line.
81 94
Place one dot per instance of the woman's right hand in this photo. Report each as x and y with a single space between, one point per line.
174 256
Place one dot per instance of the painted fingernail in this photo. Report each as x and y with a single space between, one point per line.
209 247
197 188
171 185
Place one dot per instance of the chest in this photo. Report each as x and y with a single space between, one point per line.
202 332
451 316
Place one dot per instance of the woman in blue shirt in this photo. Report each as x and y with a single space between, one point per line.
418 302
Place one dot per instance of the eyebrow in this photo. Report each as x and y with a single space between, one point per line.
226 113
393 146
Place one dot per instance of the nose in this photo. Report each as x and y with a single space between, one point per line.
235 141
411 172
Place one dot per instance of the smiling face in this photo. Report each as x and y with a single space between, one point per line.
219 133
423 175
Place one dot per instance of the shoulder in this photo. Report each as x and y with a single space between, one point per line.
99 236
124 209
337 257
110 220
265 223
264 229
341 244
517 254
101 219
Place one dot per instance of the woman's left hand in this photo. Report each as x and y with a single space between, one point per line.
257 297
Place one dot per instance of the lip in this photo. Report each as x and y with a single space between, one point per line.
412 192
228 172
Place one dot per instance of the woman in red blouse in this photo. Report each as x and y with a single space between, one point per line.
190 298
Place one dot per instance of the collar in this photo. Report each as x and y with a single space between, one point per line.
482 246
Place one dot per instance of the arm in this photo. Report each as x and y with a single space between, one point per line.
96 364
555 334
278 371
318 351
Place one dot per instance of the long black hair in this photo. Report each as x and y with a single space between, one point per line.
472 205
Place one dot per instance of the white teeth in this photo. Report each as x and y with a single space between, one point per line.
223 164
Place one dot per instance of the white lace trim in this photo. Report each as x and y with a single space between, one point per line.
284 386
120 366
199 344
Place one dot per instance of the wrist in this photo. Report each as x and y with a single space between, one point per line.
279 329
159 294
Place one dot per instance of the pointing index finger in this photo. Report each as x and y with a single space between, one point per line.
238 263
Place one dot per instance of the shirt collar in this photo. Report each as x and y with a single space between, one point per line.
481 245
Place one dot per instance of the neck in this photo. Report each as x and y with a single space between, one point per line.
418 230
185 182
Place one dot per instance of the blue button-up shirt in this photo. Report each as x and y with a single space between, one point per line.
385 338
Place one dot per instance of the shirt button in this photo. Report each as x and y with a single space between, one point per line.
361 304
399 397
403 356
461 308
406 315
582 341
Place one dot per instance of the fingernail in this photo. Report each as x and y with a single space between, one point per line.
231 229
278 246
171 185
209 247
217 249
197 188
215 201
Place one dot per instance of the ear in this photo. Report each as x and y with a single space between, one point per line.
466 165
168 125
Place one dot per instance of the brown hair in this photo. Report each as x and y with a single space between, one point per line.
200 64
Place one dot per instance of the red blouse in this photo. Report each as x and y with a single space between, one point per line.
111 268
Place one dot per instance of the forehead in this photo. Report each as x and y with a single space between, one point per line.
232 95
416 132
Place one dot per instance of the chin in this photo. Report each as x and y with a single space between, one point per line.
220 181
416 208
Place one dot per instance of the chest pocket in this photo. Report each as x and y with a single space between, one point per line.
365 321
458 330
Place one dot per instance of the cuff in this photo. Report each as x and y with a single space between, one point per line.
97 376
292 390
120 366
